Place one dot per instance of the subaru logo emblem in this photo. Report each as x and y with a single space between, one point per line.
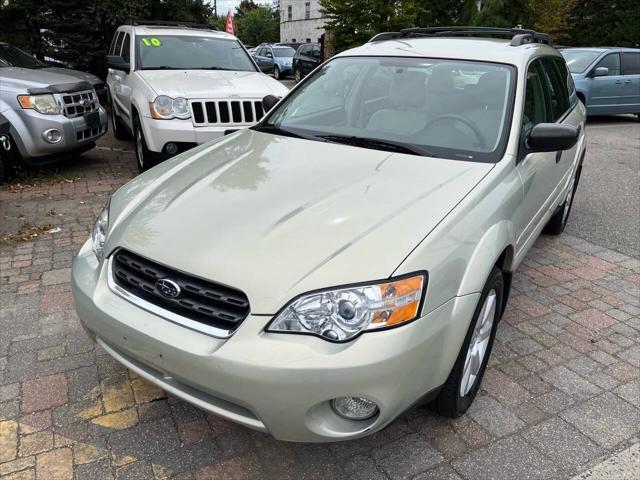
168 288
85 103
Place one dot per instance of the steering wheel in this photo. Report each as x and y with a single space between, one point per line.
451 116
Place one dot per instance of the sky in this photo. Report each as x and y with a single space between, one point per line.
225 5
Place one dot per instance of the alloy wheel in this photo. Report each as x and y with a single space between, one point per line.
139 149
568 201
478 344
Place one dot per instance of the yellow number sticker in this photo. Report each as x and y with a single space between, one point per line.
151 42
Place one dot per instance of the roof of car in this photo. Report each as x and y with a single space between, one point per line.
602 49
174 30
459 48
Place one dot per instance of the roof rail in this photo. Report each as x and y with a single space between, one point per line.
519 36
166 23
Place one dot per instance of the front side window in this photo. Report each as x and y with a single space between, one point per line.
557 87
535 104
612 62
191 52
631 61
407 105
126 48
118 47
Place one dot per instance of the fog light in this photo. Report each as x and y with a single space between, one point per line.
53 135
171 148
354 408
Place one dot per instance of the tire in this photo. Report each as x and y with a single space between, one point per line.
143 154
276 73
119 129
558 221
297 74
461 387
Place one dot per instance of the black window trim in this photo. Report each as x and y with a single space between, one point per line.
120 33
623 63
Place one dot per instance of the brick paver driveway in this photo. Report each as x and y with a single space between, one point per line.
562 393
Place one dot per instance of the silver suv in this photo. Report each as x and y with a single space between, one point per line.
51 114
318 274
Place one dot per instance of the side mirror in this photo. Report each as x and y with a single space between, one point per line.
269 55
600 72
269 102
116 62
552 137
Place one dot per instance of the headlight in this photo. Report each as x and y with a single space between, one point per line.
166 108
343 313
45 104
99 234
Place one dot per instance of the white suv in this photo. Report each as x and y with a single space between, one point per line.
176 85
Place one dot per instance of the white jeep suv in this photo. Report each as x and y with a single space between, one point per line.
176 85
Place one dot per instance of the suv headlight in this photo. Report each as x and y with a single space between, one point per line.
99 234
341 314
166 108
45 104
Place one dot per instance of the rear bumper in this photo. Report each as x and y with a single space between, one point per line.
275 383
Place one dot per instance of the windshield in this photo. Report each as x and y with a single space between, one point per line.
432 107
14 57
283 52
188 52
579 60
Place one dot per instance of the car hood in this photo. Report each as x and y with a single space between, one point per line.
211 84
278 216
25 78
89 77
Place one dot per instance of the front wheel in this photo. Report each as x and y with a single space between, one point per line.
276 73
297 74
463 383
143 154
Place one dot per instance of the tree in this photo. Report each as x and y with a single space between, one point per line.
600 22
503 13
258 25
552 17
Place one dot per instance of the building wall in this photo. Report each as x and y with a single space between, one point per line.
300 29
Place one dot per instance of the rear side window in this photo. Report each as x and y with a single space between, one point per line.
113 43
116 50
535 104
126 48
612 62
557 88
631 62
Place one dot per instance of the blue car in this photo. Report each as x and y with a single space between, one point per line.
275 59
607 79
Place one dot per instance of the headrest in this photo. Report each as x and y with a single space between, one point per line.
407 89
491 88
441 80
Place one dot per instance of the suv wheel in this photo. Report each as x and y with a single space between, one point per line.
297 74
119 129
143 154
558 221
463 383
276 73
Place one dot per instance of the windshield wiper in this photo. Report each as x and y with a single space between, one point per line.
285 131
161 67
378 144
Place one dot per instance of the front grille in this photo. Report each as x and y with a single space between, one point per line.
77 104
226 112
200 300
89 133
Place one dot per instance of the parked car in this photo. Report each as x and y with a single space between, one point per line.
351 255
607 79
275 59
176 85
306 59
11 56
52 115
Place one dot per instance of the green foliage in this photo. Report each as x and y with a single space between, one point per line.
552 17
256 25
604 23
503 13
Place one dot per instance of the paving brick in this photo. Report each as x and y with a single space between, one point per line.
36 443
570 382
55 465
44 393
606 419
494 417
407 457
8 440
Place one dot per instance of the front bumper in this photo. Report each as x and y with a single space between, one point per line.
275 383
158 133
27 127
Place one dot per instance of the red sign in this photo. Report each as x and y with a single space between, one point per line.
230 26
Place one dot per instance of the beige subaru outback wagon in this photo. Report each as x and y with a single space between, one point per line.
350 256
